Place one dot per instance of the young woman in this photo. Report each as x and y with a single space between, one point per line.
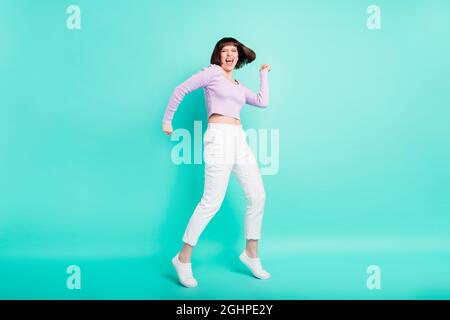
225 150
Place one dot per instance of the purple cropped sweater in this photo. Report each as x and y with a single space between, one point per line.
222 96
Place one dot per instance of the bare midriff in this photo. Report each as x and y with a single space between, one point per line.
218 118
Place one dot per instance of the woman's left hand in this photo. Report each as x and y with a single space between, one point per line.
265 66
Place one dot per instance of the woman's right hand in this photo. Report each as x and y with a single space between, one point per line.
265 66
167 128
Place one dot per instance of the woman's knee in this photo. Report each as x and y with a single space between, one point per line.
257 197
209 206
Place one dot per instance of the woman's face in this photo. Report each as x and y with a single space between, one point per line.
228 57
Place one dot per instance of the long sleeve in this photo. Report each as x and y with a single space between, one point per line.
198 80
260 99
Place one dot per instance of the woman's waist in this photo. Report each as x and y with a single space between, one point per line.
225 126
223 119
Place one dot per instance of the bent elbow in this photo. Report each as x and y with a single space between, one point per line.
264 103
179 92
183 88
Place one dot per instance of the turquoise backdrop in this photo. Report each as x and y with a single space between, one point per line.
87 178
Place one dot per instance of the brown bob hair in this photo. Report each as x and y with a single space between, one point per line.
245 54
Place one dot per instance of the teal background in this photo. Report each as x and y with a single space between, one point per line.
86 176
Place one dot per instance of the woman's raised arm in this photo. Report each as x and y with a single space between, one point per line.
260 99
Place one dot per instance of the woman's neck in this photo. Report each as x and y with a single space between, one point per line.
228 74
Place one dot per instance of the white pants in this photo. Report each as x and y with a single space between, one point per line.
226 150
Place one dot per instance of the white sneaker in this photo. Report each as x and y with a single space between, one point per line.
254 264
184 271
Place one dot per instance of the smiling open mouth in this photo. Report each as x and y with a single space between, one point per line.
229 61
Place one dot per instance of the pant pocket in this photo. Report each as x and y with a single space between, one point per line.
213 146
